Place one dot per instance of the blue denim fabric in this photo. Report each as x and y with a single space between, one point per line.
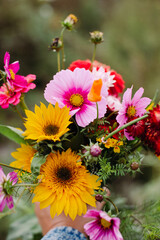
64 233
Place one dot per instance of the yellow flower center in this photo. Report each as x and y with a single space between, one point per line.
51 130
76 100
131 111
105 223
12 74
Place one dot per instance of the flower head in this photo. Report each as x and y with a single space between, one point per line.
114 80
71 89
47 123
132 108
23 156
95 92
6 188
67 186
103 227
151 136
96 37
70 20
56 44
9 94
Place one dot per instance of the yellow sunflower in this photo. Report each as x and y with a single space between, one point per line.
67 185
47 123
23 157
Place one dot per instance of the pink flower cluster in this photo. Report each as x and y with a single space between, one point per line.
6 183
14 85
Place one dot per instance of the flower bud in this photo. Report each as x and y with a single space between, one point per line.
99 198
95 150
96 37
134 165
56 45
69 21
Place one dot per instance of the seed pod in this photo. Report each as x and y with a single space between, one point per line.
134 165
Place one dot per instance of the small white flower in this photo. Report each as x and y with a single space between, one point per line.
106 77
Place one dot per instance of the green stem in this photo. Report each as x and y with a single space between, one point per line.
108 199
125 126
26 185
97 115
62 49
94 53
19 169
58 61
110 115
18 112
23 104
93 57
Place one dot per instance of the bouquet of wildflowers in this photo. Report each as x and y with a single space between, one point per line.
86 136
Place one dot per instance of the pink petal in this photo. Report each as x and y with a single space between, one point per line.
2 202
127 96
127 135
86 115
13 177
142 104
14 66
105 216
92 229
6 59
137 96
92 214
118 235
9 201
2 175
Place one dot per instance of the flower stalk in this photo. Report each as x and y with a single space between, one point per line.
125 126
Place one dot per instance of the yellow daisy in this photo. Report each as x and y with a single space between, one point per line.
67 185
23 156
47 123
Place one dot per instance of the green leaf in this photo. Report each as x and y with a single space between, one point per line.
37 161
12 133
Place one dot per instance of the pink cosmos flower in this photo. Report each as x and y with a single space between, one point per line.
71 89
131 108
10 69
9 94
103 226
5 197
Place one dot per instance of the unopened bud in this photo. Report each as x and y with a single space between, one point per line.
96 37
56 45
70 21
95 150
134 165
99 198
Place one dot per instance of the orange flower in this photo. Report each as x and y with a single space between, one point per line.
95 93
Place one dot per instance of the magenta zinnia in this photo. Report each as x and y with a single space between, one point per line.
71 89
6 185
103 226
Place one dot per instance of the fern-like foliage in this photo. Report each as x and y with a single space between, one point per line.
142 223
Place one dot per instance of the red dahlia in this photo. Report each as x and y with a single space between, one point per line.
152 130
119 82
137 129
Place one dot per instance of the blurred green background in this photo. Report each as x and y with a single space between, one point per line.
131 47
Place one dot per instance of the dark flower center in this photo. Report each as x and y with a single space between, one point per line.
51 130
64 173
